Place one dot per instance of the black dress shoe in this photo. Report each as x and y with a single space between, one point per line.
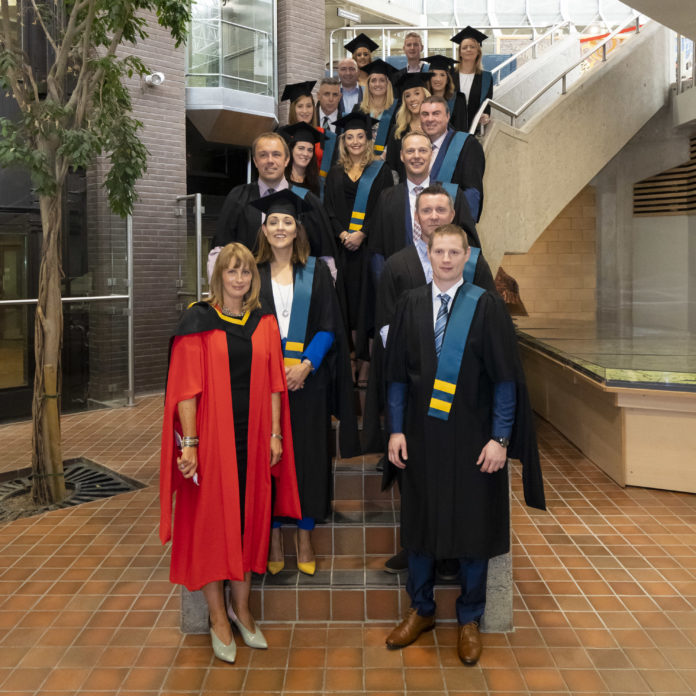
447 569
398 563
381 463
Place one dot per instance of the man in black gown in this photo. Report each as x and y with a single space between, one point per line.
407 269
240 222
470 162
453 423
392 226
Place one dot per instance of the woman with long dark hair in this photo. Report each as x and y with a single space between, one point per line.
298 289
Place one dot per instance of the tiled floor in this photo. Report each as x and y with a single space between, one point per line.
605 595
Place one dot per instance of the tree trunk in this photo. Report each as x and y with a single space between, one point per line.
47 460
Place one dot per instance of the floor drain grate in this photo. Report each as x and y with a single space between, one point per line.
85 480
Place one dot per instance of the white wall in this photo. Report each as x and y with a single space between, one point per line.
661 278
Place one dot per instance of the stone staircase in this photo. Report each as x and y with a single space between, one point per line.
350 583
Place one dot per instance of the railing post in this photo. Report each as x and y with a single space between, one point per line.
563 84
130 396
199 244
604 53
638 25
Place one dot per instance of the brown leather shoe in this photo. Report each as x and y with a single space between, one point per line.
469 643
409 629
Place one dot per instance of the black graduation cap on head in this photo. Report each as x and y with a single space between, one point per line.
355 120
440 62
380 67
285 201
469 33
414 79
359 41
297 90
300 132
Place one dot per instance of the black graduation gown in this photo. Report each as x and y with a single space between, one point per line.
240 222
388 229
393 156
403 271
339 207
470 167
463 112
328 391
449 508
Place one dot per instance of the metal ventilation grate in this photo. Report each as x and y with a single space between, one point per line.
85 480
672 192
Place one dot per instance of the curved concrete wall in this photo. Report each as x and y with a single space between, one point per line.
532 173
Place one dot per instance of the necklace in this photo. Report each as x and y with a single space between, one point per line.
231 313
284 300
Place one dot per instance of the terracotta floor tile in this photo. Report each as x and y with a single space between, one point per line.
344 680
379 656
344 657
307 657
69 678
383 679
140 679
185 679
424 679
226 679
542 680
624 681
504 680
583 680
304 680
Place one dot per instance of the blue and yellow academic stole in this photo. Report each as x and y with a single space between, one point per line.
357 218
330 139
302 295
446 171
383 129
453 345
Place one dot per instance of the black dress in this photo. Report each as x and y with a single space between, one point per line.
339 198
327 390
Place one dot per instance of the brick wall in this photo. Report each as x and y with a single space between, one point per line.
558 275
300 45
158 233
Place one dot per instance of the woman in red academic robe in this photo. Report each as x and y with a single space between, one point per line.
227 400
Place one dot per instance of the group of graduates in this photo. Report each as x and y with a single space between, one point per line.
365 205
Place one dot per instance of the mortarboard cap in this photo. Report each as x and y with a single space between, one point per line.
361 40
440 62
297 90
285 201
355 120
469 33
379 67
300 132
415 79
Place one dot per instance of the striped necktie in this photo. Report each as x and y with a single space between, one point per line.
326 124
441 322
415 226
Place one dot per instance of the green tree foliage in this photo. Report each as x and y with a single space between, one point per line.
80 109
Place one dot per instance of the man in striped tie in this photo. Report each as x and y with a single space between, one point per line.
455 390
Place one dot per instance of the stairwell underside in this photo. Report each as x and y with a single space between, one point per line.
532 173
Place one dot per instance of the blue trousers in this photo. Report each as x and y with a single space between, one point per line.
472 577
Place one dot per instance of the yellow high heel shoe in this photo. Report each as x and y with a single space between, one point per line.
307 567
274 567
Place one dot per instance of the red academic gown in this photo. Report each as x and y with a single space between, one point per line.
207 542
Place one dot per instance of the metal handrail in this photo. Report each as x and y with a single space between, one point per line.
514 115
532 45
409 27
86 298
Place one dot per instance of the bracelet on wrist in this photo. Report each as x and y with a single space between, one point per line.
189 441
278 435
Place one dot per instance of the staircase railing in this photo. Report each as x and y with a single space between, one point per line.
562 78
551 33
